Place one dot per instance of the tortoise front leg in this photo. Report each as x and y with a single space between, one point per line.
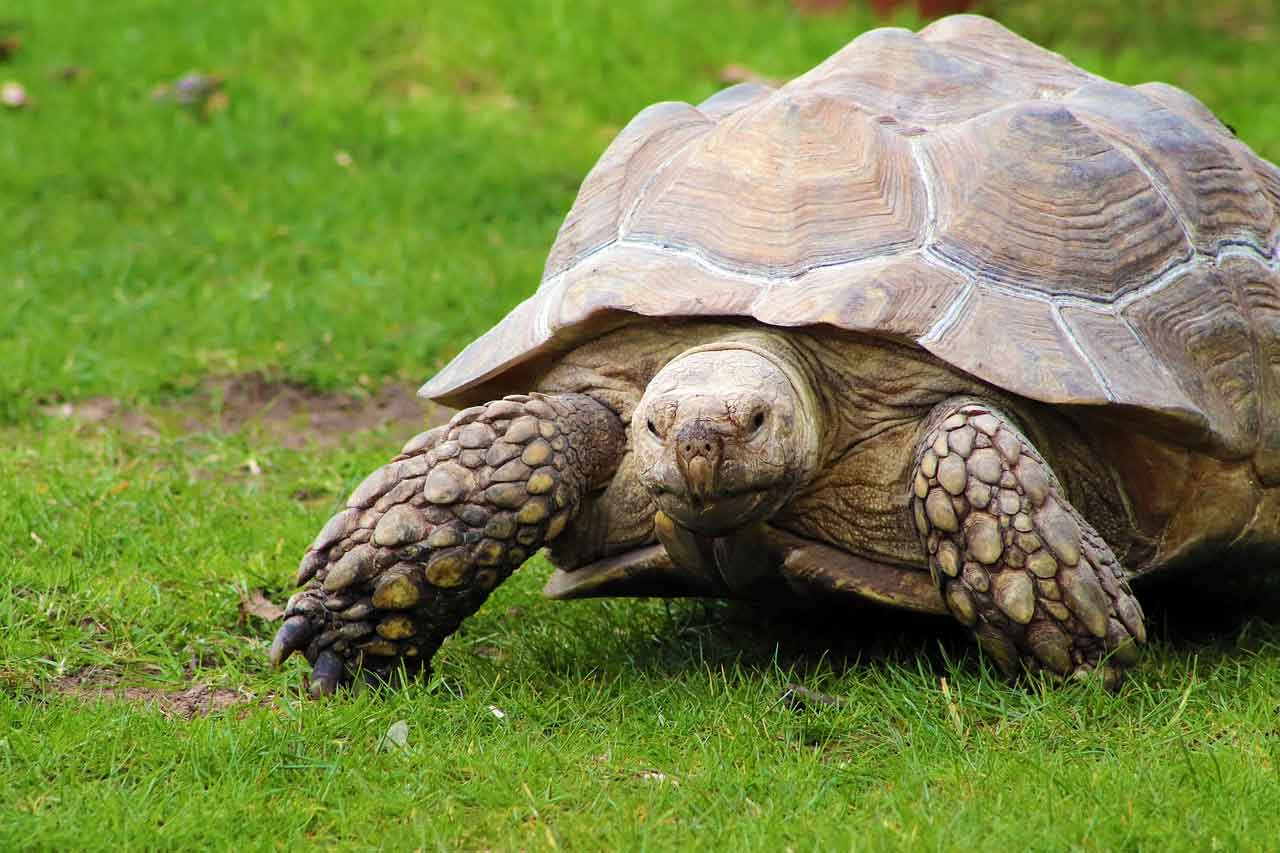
426 538
1013 559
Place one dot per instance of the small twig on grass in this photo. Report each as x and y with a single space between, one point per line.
798 697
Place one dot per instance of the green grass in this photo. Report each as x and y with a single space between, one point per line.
145 250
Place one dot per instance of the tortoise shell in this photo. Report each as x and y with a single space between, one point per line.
961 190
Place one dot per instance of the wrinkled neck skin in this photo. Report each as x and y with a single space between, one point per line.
728 431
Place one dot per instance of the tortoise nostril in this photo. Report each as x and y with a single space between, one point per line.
698 440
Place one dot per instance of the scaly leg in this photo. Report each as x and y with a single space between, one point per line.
1014 560
426 538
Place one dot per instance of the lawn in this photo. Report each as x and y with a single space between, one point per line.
213 318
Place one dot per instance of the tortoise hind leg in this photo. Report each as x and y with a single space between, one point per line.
1013 559
426 538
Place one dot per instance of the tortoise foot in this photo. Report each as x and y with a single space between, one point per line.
425 539
1013 559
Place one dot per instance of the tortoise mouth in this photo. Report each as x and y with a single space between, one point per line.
719 514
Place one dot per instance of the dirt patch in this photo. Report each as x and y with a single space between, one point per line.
100 410
284 413
199 700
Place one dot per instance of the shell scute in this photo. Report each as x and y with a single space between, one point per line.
897 74
1030 196
1216 194
1196 329
987 43
1021 345
900 296
1184 104
732 99
615 181
1258 288
1133 373
791 182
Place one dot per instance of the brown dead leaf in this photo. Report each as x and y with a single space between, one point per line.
657 776
203 94
734 73
70 73
9 45
215 103
91 626
256 604
797 697
484 650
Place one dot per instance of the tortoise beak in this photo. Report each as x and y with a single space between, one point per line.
699 452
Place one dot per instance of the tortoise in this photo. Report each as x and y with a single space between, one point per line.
946 323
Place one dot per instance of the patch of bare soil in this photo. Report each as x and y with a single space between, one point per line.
284 413
104 410
196 701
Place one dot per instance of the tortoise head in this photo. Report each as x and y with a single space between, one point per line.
725 434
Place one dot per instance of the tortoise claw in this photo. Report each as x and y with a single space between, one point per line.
312 562
293 635
325 674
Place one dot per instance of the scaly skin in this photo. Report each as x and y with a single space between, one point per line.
1013 559
427 537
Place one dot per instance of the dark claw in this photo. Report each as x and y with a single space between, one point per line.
293 635
1112 677
305 603
311 563
325 674
375 679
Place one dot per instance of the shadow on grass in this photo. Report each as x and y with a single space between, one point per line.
1233 609
676 638
1201 614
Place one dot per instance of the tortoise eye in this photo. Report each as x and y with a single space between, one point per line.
757 421
653 429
